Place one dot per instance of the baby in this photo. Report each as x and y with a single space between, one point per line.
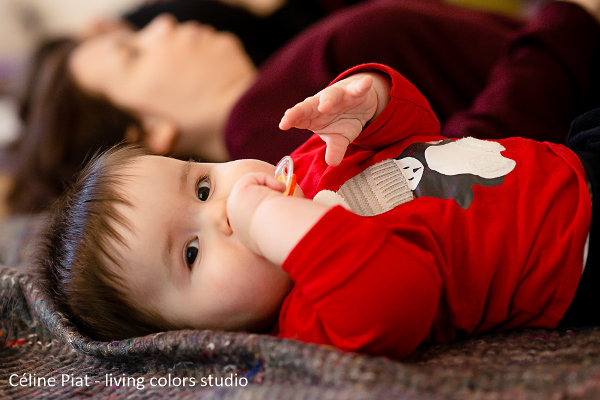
395 236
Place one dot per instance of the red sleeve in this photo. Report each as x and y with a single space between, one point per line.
361 288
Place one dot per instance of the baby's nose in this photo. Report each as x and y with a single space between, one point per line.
217 214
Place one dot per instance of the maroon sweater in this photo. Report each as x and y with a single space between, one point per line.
539 74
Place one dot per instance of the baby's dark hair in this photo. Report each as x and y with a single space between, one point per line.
77 258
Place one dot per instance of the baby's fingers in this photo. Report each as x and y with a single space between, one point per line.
336 148
329 99
322 109
300 114
260 179
343 94
360 86
289 119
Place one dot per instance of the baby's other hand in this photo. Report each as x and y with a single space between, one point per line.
337 114
247 194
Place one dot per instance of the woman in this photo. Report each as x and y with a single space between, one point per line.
219 106
64 124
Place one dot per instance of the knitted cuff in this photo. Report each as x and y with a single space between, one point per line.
377 189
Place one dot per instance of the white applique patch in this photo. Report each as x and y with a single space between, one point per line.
469 156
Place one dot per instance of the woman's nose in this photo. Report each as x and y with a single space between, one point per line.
216 213
160 25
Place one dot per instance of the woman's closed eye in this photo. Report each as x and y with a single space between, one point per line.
129 51
190 252
132 53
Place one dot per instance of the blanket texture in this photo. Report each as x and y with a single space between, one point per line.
43 355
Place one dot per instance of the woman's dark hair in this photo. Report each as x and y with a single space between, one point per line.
62 127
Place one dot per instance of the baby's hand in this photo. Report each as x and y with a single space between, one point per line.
337 114
246 196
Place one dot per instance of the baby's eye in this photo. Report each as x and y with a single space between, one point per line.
203 189
190 253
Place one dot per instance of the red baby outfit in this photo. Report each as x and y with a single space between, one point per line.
475 250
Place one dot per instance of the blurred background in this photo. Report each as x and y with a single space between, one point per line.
24 22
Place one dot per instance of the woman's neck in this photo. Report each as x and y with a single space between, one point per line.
213 146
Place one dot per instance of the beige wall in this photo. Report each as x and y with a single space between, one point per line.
23 21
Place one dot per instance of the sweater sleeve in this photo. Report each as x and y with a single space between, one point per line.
547 76
360 287
404 35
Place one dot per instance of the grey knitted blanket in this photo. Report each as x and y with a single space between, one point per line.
43 355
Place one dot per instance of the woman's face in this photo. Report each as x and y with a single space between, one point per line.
166 70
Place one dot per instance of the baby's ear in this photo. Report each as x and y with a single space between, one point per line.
159 135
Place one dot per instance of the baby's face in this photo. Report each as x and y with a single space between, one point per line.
182 259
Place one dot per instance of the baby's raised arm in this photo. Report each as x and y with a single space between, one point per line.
271 224
339 112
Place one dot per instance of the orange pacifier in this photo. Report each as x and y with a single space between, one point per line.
284 172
